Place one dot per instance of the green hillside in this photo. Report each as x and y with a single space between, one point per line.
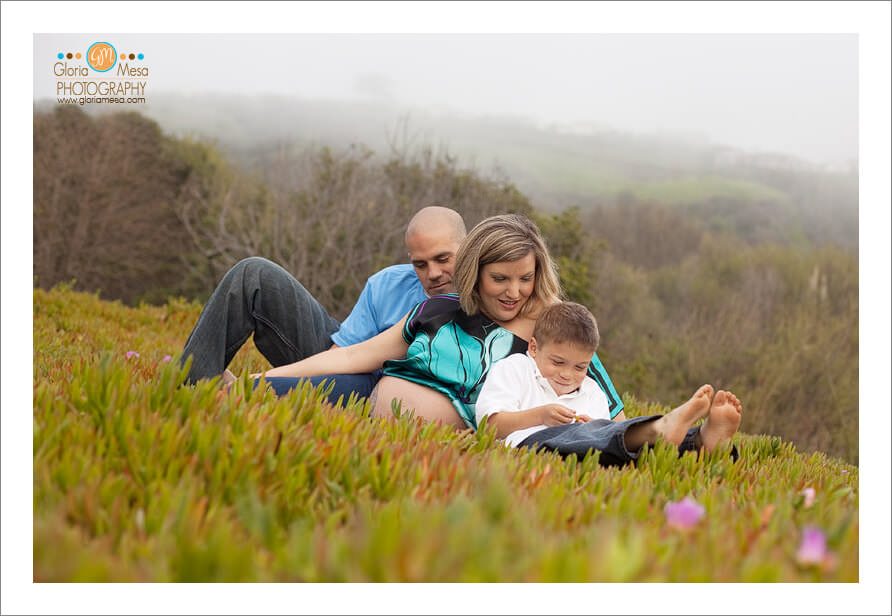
744 293
138 479
554 167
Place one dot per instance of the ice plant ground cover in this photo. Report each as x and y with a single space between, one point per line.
138 479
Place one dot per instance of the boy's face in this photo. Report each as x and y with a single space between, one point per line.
563 364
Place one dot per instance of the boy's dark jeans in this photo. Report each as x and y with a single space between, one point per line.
601 435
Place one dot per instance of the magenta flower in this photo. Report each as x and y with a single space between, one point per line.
683 514
130 354
166 358
813 549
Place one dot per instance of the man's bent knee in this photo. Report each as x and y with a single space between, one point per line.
260 268
254 262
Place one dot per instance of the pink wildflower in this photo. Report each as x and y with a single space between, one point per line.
683 514
813 549
130 354
166 358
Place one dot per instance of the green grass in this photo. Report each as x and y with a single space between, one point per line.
694 189
138 479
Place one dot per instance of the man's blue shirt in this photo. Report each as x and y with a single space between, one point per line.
388 296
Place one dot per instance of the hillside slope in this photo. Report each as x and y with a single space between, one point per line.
554 166
139 479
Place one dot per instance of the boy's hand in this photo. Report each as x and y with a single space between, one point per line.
556 414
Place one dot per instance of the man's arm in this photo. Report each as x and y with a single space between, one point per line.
387 296
360 324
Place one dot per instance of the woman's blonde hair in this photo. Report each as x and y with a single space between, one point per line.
507 237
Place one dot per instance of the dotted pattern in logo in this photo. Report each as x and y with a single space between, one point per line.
63 55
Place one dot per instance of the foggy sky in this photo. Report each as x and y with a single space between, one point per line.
790 93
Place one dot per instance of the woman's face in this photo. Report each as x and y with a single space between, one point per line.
505 287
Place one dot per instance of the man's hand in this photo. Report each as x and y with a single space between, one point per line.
556 414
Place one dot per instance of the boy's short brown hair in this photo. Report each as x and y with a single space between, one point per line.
567 322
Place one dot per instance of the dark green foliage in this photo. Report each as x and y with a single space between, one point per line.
575 254
335 217
646 234
103 191
123 210
777 325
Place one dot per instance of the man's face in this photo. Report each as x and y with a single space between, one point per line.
433 257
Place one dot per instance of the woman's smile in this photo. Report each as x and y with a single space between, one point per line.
505 286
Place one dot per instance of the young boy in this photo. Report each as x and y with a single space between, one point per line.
545 400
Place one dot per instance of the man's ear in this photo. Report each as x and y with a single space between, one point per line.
533 347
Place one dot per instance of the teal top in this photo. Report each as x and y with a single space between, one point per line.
452 352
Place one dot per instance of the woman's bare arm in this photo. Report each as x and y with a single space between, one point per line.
360 358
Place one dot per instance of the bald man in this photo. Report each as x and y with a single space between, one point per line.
259 297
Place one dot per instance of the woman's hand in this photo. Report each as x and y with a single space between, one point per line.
556 414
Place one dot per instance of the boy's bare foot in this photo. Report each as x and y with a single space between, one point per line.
674 426
723 420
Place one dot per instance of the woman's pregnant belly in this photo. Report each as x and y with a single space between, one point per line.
426 402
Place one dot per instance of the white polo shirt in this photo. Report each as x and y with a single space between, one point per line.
515 384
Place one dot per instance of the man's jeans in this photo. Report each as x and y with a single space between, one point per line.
259 297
